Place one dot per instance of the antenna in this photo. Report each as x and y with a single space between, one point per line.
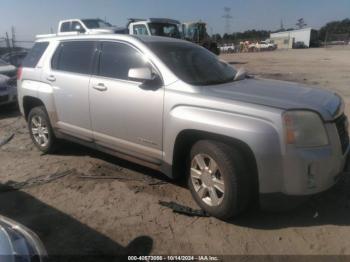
228 18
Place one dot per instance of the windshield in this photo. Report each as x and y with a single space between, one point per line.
95 23
193 64
164 29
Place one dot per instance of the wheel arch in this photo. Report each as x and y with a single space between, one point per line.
29 102
187 138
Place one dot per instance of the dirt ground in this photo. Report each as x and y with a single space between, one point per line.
75 215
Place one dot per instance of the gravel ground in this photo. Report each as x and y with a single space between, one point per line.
75 215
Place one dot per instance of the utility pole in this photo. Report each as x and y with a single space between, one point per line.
8 42
282 26
13 37
228 18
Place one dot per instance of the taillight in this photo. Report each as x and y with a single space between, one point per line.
19 73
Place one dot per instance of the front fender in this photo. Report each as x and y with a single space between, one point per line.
259 133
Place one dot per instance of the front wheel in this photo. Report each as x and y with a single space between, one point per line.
40 130
218 179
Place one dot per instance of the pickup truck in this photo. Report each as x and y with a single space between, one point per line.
154 26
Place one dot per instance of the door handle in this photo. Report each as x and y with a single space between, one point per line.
100 87
51 78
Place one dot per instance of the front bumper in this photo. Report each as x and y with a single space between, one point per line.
308 171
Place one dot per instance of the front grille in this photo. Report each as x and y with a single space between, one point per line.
342 127
4 98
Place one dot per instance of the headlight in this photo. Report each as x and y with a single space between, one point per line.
304 129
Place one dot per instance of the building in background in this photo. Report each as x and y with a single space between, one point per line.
301 38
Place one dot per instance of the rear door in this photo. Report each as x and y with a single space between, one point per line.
70 73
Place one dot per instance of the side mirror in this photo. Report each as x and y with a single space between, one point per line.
79 28
142 74
149 79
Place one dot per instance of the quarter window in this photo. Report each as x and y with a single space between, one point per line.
34 55
76 57
117 58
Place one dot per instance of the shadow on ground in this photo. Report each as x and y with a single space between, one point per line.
8 111
72 149
62 235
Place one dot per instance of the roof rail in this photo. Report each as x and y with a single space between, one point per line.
58 34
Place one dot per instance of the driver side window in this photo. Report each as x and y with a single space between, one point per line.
117 59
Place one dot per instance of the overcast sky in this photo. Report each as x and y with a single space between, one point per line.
31 17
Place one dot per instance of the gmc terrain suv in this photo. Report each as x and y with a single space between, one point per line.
174 106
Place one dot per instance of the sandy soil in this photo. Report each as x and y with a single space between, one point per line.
75 215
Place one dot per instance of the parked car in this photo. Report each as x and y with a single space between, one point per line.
8 90
154 26
18 243
228 48
299 45
14 58
174 106
262 46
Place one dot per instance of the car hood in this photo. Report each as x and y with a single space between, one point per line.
279 94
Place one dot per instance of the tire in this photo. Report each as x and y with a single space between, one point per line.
43 128
232 171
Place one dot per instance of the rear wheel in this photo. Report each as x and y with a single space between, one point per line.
218 179
40 130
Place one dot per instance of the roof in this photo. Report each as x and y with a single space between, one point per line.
154 20
293 31
125 37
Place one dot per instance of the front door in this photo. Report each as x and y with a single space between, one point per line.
125 116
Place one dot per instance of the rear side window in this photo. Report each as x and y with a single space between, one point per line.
65 27
34 55
75 57
117 58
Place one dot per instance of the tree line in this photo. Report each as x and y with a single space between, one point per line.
331 31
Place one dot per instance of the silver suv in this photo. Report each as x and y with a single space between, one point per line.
173 106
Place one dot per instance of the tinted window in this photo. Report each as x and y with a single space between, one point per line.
193 64
65 27
140 30
74 57
117 58
34 55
